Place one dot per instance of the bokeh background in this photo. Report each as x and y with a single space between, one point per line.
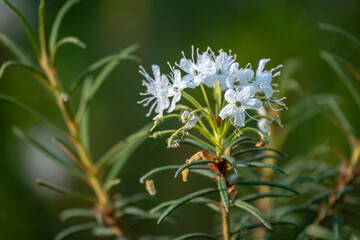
277 29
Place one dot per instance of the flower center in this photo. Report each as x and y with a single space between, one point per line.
237 104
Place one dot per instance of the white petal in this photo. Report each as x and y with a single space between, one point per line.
231 96
226 111
239 118
156 71
185 65
246 93
261 66
268 91
252 103
175 99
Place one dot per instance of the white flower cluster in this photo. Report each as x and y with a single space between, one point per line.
243 88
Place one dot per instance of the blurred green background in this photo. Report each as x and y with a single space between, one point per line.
276 29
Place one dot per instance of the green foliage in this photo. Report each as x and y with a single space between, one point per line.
100 176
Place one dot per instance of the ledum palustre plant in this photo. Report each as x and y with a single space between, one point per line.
228 124
104 209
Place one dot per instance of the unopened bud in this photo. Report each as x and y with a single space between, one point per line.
150 187
185 174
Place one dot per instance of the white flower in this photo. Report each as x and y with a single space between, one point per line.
239 78
189 119
264 126
238 102
196 70
177 86
158 88
264 78
223 64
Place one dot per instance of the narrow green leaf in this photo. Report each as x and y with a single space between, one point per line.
103 232
56 25
332 28
184 200
76 212
15 49
344 191
37 73
320 232
112 184
337 228
126 201
195 235
263 165
70 167
42 35
343 75
28 110
259 157
317 198
247 150
154 171
61 43
205 172
30 32
232 161
255 196
239 141
120 153
273 223
254 211
200 200
83 114
123 55
187 165
75 229
266 183
66 192
122 149
223 190
194 143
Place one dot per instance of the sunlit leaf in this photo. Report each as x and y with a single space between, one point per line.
254 211
184 200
